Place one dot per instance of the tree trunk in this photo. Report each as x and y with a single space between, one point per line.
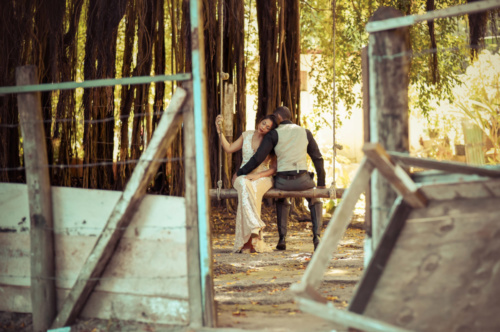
102 25
290 67
268 37
65 131
10 58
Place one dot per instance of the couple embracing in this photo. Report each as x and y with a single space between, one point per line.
276 148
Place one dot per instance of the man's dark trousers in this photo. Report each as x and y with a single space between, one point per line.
297 182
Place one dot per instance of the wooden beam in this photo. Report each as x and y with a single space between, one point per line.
192 235
275 193
408 20
228 111
397 176
389 67
372 273
94 83
334 231
346 318
366 138
200 147
123 211
43 294
446 166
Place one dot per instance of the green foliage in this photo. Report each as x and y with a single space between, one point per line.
479 99
251 48
351 18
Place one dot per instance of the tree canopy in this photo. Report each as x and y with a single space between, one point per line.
104 130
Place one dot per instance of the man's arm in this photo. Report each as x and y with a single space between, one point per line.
266 146
317 158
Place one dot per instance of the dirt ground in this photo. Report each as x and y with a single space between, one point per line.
252 290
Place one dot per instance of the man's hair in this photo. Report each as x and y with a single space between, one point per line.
283 112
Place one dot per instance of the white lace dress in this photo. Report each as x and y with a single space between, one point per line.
250 195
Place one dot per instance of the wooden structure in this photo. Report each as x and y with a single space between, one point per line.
387 107
275 193
91 234
146 279
438 255
436 258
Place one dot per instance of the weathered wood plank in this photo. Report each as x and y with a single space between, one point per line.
275 193
228 111
447 166
94 83
334 232
365 77
149 266
465 9
106 305
464 190
199 145
123 211
380 257
43 293
389 81
443 272
193 243
397 177
347 318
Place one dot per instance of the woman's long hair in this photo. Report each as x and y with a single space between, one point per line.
275 123
271 117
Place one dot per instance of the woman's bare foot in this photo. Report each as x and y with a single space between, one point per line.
248 247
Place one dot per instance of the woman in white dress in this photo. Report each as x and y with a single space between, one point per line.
251 187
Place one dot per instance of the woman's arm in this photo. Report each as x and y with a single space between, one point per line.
228 147
271 171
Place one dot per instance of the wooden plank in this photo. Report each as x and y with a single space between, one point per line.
443 272
93 83
43 293
123 211
334 231
347 318
380 257
447 166
408 20
397 177
464 190
275 193
365 74
193 244
473 137
109 305
149 266
389 82
228 111
200 147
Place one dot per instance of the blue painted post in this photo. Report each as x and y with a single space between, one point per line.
201 156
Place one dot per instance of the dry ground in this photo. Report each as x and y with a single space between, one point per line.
252 290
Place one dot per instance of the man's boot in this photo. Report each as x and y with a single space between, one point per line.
317 222
282 211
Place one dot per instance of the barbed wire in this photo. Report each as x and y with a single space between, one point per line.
108 119
109 163
184 276
422 53
74 229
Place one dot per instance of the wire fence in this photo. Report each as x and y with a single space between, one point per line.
92 122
